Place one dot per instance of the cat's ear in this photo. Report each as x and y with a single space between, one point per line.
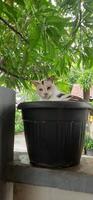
51 78
36 83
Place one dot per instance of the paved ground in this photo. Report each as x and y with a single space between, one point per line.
19 143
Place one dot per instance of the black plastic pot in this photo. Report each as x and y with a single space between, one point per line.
54 132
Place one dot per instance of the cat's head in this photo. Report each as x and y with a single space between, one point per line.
45 88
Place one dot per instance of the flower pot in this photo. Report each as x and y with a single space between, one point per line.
54 132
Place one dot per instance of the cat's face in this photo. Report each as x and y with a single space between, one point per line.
44 88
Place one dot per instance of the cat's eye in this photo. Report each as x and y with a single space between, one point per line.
48 88
40 89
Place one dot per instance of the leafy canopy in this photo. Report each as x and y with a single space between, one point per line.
39 38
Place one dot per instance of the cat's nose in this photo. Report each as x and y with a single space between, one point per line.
45 94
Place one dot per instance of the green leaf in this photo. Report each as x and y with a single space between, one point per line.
1 7
34 34
10 12
20 2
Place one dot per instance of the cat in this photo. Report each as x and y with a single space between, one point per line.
47 91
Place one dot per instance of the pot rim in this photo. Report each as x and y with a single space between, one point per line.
55 104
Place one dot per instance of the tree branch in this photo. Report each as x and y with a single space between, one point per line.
13 29
2 69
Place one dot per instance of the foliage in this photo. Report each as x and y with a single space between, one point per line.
88 142
38 39
26 95
83 77
86 78
18 122
42 26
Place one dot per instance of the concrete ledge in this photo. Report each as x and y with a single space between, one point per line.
28 192
78 178
6 191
